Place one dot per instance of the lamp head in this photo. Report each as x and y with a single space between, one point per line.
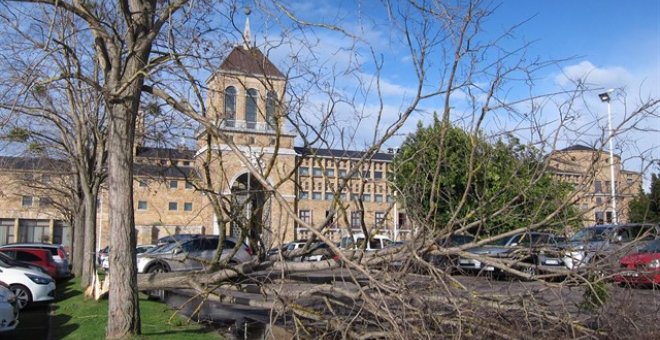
605 96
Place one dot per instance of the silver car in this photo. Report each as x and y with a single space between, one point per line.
191 255
606 244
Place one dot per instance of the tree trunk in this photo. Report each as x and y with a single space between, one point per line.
89 254
78 240
123 307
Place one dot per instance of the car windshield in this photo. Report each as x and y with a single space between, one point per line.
591 234
168 247
503 241
651 247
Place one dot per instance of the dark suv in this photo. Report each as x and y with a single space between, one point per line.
520 247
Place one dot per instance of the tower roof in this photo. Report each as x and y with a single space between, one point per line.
250 61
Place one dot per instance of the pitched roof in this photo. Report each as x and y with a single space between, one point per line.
162 171
250 61
164 153
578 147
34 163
335 153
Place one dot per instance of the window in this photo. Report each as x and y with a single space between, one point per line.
303 195
356 219
342 173
174 184
343 196
27 257
607 186
305 216
142 205
629 179
599 216
366 198
186 163
230 106
251 108
189 185
378 198
172 206
27 201
366 174
598 187
303 171
379 218
142 183
45 202
329 196
187 206
316 196
271 105
355 197
390 199
599 201
318 172
6 231
378 175
330 172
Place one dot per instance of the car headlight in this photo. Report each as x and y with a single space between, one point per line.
39 279
655 264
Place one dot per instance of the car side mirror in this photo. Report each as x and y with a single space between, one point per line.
514 244
177 250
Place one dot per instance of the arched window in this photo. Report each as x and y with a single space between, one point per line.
230 106
271 105
251 108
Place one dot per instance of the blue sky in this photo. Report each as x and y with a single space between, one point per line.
611 44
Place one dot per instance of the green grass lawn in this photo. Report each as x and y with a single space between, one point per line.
77 318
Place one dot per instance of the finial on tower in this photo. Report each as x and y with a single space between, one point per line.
247 38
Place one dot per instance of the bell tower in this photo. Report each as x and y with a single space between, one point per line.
246 102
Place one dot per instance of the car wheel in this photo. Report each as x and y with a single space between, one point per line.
530 272
158 294
23 295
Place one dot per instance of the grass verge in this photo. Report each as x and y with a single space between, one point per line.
77 318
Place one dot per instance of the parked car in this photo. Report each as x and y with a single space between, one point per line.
446 262
357 241
295 251
21 264
606 243
138 250
191 255
641 268
8 309
102 255
38 257
28 285
58 252
521 248
180 238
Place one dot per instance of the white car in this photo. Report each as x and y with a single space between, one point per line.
28 285
8 309
356 241
141 249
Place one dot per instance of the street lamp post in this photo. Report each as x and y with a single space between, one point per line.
605 98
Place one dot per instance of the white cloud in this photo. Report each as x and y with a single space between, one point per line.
587 72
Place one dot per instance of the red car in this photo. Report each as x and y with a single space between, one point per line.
641 268
38 257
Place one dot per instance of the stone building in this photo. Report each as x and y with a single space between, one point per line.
247 169
588 169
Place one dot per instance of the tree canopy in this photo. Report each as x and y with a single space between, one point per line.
645 208
453 180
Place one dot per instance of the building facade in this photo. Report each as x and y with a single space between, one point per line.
588 170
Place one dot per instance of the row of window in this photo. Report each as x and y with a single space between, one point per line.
172 184
330 196
356 217
342 164
251 105
28 202
171 206
343 173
